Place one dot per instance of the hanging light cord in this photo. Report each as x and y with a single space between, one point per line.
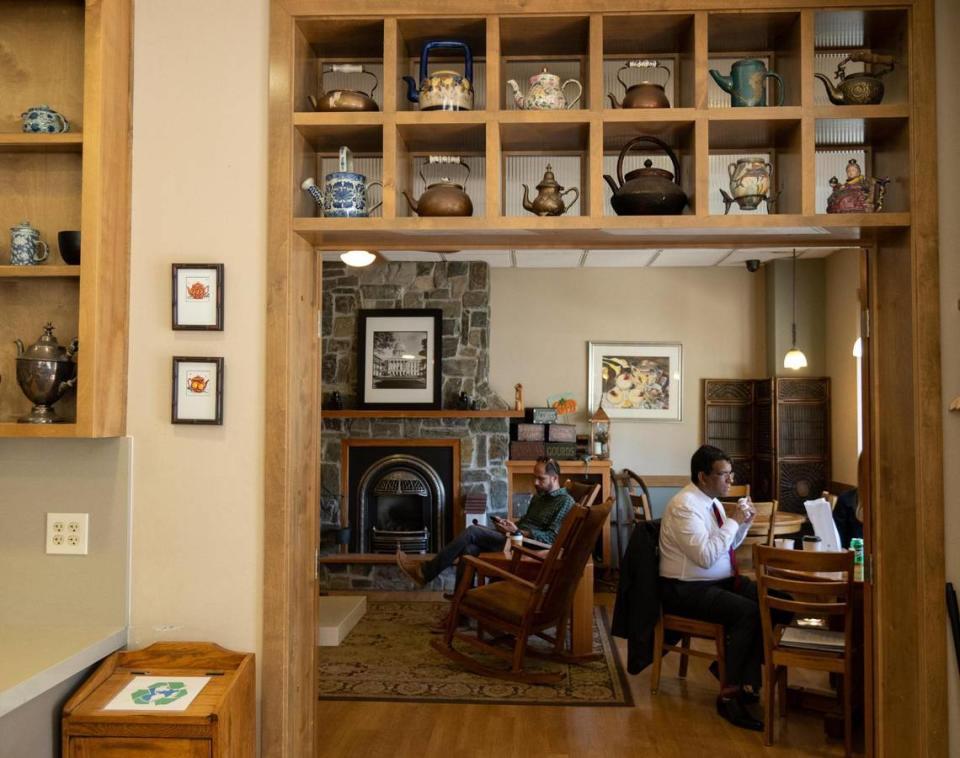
794 297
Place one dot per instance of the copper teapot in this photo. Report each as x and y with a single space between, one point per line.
345 99
443 198
645 94
549 201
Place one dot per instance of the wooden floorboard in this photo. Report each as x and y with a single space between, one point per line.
679 722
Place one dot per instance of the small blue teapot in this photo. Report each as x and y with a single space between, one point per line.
42 119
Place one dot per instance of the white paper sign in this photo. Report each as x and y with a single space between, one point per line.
821 517
158 693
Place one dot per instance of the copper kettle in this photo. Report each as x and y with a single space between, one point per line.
645 94
345 99
443 198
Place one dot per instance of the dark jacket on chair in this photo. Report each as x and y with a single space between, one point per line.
637 609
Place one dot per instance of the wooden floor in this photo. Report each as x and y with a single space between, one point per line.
680 721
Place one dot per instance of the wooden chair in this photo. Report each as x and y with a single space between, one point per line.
737 491
687 629
818 585
585 493
640 500
518 608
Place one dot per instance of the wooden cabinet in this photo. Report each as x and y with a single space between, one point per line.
219 723
74 57
776 431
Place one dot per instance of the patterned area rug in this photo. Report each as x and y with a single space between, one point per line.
388 656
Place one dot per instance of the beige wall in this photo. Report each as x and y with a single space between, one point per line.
542 319
842 327
948 172
811 315
199 195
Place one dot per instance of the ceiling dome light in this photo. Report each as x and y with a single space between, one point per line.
358 258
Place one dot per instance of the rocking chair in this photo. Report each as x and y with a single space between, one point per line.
517 608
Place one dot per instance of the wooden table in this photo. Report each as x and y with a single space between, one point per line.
581 610
784 523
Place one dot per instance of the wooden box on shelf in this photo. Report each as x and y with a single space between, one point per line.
219 723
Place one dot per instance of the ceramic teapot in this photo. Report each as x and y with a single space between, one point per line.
858 194
747 83
858 89
443 90
26 247
443 198
45 371
645 94
749 184
647 191
549 200
545 93
345 99
42 119
345 191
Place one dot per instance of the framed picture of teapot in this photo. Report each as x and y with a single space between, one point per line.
197 390
198 296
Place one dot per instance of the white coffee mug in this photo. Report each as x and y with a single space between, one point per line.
785 544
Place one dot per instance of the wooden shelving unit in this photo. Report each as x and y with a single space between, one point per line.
75 57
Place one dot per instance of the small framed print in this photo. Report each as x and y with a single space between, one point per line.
198 296
197 390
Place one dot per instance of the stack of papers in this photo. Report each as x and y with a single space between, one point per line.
813 639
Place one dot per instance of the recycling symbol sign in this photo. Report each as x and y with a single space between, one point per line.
159 693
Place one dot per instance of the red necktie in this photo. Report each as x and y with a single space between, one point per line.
731 552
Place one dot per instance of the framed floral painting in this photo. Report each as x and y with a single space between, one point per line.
636 381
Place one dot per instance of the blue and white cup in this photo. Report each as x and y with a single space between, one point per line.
26 247
42 119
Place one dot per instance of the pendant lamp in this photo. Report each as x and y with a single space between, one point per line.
358 258
794 359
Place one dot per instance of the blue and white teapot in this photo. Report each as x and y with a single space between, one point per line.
26 247
42 119
345 191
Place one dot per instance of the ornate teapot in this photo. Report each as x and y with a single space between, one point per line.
858 89
858 194
747 83
545 93
345 99
45 371
749 184
443 90
42 119
549 201
647 191
443 198
645 94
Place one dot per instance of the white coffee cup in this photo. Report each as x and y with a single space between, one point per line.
813 544
785 544
516 540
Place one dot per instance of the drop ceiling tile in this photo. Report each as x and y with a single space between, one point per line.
495 258
548 258
410 255
619 258
678 257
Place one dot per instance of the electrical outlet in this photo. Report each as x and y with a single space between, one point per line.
67 533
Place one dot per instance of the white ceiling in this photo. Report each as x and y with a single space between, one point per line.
611 258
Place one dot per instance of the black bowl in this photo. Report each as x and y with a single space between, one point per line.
69 243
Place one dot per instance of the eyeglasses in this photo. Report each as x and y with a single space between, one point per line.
729 475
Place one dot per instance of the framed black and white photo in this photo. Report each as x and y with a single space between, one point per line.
398 359
198 296
197 390
636 381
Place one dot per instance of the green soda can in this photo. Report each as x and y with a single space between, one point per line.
856 544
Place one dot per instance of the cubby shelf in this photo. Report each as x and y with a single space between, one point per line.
69 142
39 272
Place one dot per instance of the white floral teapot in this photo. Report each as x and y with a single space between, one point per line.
545 93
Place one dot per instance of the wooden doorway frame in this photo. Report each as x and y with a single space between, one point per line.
906 444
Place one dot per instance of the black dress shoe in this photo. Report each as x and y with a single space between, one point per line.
734 712
748 698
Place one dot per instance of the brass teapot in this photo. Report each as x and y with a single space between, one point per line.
443 198
347 100
858 89
549 201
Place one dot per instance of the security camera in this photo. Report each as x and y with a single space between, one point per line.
753 265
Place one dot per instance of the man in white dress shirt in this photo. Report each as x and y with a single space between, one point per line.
699 578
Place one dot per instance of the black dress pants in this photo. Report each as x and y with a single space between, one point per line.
733 604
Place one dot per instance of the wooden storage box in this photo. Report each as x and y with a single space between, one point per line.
561 451
219 723
527 451
527 432
562 433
